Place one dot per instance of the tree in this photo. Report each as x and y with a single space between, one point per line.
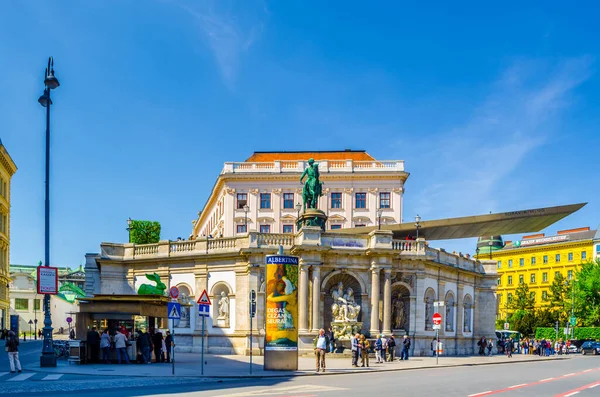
587 294
522 300
144 232
559 297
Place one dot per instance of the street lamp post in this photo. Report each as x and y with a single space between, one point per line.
490 243
129 222
30 323
47 359
246 210
418 224
379 213
298 208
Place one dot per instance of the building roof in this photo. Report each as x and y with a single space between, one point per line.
524 221
357 155
542 240
63 271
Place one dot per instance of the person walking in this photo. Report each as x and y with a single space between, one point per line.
157 342
121 346
354 344
378 349
364 349
93 341
490 346
105 346
144 346
321 345
508 347
170 345
405 348
11 345
434 347
331 337
391 344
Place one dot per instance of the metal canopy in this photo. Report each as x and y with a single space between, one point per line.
524 221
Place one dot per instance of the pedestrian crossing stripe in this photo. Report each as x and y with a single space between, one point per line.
20 377
204 310
53 377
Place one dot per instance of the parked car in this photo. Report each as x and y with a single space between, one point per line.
590 348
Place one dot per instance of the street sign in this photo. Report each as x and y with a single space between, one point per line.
573 321
30 322
47 280
437 326
438 304
506 326
204 299
174 292
204 310
566 331
174 310
437 319
69 320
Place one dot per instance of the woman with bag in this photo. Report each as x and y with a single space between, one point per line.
11 346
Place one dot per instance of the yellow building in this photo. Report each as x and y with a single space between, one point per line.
536 260
7 170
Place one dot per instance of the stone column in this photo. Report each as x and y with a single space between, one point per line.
374 300
303 299
387 302
316 298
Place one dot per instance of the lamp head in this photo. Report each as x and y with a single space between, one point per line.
50 80
417 219
44 99
246 208
129 222
298 206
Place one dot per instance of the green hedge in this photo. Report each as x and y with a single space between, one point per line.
580 333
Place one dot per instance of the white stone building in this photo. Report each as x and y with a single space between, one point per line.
263 192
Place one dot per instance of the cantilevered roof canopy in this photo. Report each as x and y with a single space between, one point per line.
524 221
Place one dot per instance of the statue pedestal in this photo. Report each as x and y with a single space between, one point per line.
344 330
312 217
222 322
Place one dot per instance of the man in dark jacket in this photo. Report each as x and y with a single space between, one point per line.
93 341
12 348
170 345
144 346
391 345
157 339
405 347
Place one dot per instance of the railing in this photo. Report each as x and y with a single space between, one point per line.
404 245
182 246
325 166
222 243
287 240
146 249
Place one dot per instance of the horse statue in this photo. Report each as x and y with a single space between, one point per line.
312 189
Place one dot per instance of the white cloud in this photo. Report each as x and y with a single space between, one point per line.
228 34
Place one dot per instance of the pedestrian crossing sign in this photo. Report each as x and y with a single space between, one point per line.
174 311
204 310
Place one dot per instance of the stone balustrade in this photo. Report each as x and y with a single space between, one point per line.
325 166
377 240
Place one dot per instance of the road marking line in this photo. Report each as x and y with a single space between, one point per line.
512 387
20 378
53 377
588 370
575 391
479 394
546 380
592 386
3 373
571 394
571 374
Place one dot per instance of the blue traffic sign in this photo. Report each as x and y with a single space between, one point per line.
204 310
174 311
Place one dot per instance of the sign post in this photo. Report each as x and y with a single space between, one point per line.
437 322
173 313
203 311
252 314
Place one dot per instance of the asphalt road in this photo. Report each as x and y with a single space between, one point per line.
578 375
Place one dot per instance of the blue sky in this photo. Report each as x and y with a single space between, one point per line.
493 108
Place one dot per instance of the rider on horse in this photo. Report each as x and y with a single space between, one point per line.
312 188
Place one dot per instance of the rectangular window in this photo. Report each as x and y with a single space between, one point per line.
265 228
336 200
570 257
288 200
242 200
533 260
532 296
384 200
335 227
499 264
288 228
570 274
521 262
557 259
21 304
532 277
360 200
545 277
583 255
545 258
544 295
241 229
510 263
265 200
521 279
36 304
499 280
509 280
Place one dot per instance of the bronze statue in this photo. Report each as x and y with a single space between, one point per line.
312 189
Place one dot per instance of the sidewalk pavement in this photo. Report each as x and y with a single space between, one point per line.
216 366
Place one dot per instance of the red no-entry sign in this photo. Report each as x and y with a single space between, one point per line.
437 319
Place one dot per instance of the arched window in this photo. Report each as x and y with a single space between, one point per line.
428 300
467 316
449 311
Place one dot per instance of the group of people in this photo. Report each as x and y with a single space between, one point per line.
146 343
544 347
484 345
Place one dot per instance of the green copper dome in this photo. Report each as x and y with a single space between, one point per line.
484 246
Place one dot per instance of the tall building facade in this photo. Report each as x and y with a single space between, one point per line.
536 260
7 170
264 193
